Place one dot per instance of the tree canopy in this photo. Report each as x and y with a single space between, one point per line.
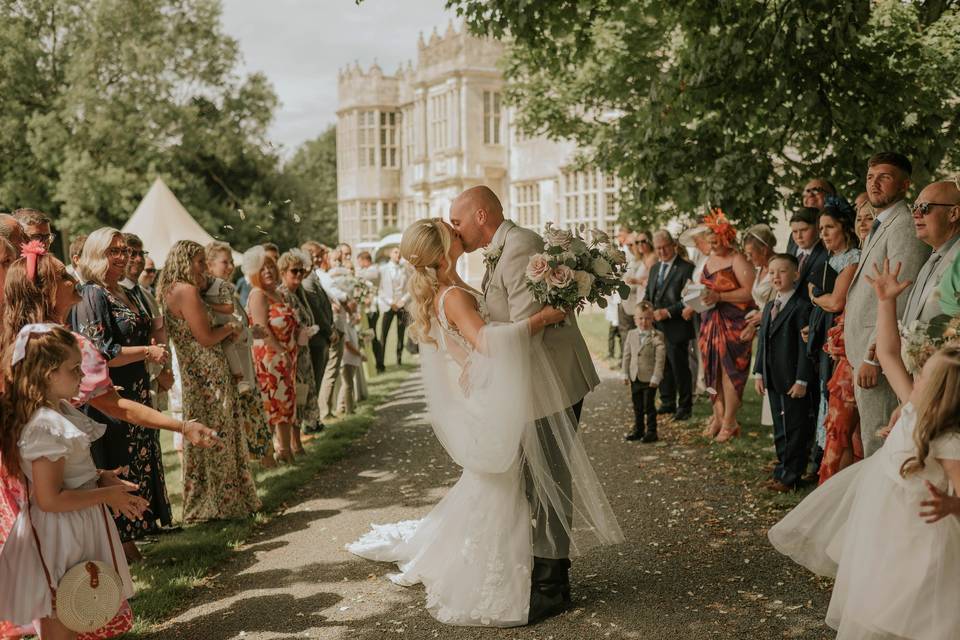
99 97
733 103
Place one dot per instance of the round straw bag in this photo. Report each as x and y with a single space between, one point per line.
90 593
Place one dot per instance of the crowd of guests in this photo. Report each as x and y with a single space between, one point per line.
100 353
736 295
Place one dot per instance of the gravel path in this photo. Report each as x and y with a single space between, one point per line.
696 563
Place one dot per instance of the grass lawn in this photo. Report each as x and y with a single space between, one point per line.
177 563
743 457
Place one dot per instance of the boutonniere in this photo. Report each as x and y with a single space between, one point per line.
491 256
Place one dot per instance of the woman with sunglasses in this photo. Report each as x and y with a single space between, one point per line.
274 354
118 323
293 268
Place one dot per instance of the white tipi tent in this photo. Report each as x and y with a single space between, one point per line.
160 221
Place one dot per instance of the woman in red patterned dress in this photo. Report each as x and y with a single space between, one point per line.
728 277
275 355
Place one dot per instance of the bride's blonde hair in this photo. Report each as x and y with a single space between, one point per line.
424 244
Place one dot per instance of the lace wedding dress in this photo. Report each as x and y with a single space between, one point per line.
473 552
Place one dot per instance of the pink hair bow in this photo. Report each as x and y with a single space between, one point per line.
31 251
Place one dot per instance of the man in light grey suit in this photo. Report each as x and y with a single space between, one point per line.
936 217
891 237
477 216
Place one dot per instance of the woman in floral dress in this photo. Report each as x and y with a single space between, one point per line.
217 482
118 324
275 355
726 358
838 423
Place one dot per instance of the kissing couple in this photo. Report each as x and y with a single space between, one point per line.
504 378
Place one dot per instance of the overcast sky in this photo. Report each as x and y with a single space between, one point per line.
300 45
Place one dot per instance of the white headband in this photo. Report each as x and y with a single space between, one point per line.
20 346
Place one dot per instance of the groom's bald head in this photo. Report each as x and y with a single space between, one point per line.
476 214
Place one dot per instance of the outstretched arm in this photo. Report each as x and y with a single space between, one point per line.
888 288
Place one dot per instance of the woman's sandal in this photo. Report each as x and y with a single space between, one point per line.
727 434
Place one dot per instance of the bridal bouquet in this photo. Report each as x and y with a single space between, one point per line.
572 271
920 340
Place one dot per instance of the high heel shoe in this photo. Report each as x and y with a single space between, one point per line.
727 434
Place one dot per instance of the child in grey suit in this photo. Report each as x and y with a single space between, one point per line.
644 354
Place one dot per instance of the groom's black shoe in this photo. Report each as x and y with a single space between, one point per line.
549 588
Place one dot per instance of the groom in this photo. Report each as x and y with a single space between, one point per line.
477 216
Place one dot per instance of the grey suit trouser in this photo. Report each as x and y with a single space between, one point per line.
875 407
331 375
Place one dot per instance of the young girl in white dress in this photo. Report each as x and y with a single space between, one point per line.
896 572
45 438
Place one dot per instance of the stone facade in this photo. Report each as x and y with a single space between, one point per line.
408 143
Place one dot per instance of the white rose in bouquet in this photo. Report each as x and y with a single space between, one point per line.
584 283
559 277
601 267
538 267
555 237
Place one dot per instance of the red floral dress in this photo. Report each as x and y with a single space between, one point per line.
843 421
277 370
720 329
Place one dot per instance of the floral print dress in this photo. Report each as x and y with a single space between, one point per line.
217 482
111 325
720 329
308 407
277 370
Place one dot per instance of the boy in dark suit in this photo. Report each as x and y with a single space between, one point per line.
783 371
810 253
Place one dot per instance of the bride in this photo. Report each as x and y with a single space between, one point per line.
487 386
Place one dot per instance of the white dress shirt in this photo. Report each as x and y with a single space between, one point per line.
393 286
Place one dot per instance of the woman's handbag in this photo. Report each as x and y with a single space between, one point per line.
90 593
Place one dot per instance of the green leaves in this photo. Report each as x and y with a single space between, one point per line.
733 103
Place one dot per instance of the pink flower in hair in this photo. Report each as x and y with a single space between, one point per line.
31 251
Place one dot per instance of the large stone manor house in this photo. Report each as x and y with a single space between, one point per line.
408 143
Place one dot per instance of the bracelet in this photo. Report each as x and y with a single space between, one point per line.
872 363
183 426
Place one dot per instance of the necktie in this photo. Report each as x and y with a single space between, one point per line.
662 274
803 259
776 309
873 228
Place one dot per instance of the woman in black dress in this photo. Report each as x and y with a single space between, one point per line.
117 321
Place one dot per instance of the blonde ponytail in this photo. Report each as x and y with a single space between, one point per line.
424 244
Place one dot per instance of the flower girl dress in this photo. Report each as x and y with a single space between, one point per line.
896 575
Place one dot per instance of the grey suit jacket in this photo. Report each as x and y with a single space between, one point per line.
895 239
924 301
644 358
509 300
319 304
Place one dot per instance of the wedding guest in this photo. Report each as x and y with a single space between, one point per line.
293 266
815 193
783 372
148 277
665 284
36 225
644 356
728 279
759 246
895 575
612 315
12 231
121 328
892 236
936 218
321 343
219 258
243 284
275 354
346 255
341 307
865 216
367 270
838 422
73 252
695 240
392 296
217 483
640 257
809 252
353 359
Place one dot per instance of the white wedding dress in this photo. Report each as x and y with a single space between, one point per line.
473 552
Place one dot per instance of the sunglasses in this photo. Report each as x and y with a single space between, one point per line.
45 238
149 270
137 253
298 272
923 208
814 191
116 252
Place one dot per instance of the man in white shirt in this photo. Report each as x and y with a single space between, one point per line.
392 297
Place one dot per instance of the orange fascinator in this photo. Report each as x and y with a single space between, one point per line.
717 222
